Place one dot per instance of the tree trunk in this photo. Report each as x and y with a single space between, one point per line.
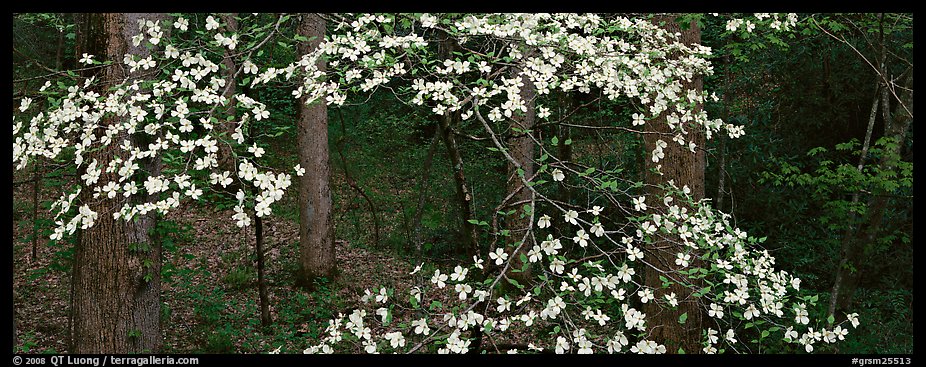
722 168
521 148
115 295
463 195
847 236
853 251
683 168
226 157
568 102
35 208
316 235
265 319
59 50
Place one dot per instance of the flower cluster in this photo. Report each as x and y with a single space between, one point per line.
137 120
590 305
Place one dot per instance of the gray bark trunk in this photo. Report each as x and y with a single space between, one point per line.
521 148
226 157
684 168
316 233
115 295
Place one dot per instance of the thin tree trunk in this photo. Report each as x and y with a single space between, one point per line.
265 319
521 148
446 122
871 125
722 169
853 252
226 157
316 235
721 172
423 189
847 237
463 195
35 209
683 168
852 244
59 50
564 194
115 298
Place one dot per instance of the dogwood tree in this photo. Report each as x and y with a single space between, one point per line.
596 277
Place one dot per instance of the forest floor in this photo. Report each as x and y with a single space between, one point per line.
209 288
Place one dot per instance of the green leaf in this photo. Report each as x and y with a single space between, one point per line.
683 318
702 292
554 141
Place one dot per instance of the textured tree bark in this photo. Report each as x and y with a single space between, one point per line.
853 251
684 168
265 319
521 148
115 295
226 157
316 234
